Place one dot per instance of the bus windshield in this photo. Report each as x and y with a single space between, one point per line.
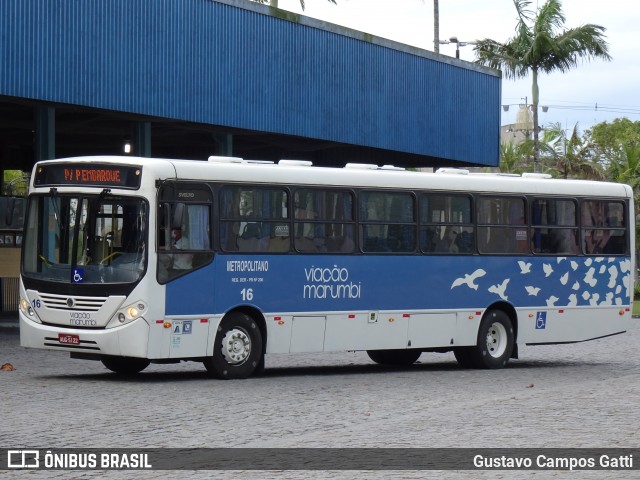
85 239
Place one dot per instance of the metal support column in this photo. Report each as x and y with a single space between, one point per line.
142 139
45 148
223 145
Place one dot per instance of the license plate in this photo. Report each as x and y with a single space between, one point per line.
69 339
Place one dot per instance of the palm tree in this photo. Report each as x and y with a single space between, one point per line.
625 168
513 156
540 46
570 156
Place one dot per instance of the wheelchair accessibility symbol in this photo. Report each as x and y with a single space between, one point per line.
78 275
541 320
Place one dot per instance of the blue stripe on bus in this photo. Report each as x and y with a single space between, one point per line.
318 283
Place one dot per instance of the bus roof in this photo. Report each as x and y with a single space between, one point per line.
229 169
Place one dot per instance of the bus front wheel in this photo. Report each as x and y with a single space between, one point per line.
494 346
394 357
237 351
125 365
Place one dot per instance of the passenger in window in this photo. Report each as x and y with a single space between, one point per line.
597 241
562 240
181 261
176 261
593 214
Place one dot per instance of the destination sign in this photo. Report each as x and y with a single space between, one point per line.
89 175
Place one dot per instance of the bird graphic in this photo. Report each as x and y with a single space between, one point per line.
574 265
576 286
469 279
608 299
613 272
564 278
561 259
551 301
548 269
588 278
625 266
573 300
500 289
525 267
532 291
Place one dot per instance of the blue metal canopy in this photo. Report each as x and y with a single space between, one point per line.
237 64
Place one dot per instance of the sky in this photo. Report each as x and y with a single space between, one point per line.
593 92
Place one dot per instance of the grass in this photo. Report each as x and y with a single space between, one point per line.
636 308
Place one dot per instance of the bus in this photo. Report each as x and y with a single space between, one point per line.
131 261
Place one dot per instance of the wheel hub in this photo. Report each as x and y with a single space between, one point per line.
236 346
496 340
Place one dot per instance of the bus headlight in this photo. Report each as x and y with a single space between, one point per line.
132 312
128 314
26 307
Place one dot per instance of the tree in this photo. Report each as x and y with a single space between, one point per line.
540 46
625 168
608 139
514 156
274 3
15 183
570 156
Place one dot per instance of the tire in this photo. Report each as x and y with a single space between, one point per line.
494 345
125 365
394 357
464 356
237 351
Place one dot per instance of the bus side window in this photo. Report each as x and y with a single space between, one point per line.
603 231
254 219
184 232
502 225
445 224
387 222
554 223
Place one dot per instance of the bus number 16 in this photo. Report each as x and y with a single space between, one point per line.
247 294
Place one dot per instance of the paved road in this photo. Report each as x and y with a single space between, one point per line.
580 395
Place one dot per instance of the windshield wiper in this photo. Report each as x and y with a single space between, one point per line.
103 193
54 192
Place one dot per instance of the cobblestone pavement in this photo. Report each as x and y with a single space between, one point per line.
578 395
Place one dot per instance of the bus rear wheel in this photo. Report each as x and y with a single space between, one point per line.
125 365
394 357
494 345
237 351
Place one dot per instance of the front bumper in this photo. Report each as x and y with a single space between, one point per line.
130 340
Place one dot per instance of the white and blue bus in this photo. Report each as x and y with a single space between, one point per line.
133 260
